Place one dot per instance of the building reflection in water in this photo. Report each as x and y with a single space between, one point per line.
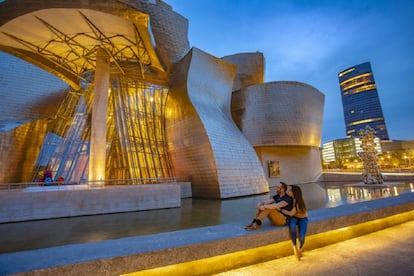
348 194
193 213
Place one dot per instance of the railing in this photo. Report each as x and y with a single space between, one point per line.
138 181
25 185
395 170
85 184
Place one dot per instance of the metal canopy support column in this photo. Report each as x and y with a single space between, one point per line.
97 153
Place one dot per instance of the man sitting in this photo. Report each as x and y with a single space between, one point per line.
271 209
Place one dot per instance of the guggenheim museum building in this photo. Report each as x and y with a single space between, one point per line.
122 96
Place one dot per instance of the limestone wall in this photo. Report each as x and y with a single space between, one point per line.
298 164
32 205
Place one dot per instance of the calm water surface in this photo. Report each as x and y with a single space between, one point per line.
193 213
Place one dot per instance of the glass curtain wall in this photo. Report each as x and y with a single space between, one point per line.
66 146
136 152
138 148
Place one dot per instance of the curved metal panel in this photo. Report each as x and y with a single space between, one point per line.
203 140
34 95
169 28
19 150
279 113
250 69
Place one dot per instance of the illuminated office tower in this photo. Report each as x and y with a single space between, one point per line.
360 101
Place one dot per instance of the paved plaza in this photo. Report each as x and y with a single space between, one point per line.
386 252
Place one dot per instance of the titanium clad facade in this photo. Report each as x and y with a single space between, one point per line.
172 112
283 122
199 124
30 95
360 100
20 148
250 69
28 102
169 29
280 113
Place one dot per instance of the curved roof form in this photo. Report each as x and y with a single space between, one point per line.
62 37
250 68
282 113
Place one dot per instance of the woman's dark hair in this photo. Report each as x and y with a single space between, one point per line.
297 194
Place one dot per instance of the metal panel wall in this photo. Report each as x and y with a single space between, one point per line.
283 121
204 142
27 93
279 113
19 149
250 69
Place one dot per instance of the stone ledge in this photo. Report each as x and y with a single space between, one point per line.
207 244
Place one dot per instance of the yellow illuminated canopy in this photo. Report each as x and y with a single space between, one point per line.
65 40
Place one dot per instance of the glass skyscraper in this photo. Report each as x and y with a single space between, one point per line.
360 101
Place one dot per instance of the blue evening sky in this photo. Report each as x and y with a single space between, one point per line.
312 41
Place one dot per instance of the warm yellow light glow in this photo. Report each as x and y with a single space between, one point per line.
363 88
352 85
98 173
138 109
346 72
282 249
353 79
222 263
365 121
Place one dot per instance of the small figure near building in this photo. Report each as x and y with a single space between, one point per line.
60 180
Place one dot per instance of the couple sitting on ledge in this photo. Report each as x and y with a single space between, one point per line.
286 207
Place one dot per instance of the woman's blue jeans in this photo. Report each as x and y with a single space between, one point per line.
302 224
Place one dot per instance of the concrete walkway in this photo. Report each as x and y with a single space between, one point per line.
386 252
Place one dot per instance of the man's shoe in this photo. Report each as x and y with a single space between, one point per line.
253 227
249 225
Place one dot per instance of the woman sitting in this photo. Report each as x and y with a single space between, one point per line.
298 218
